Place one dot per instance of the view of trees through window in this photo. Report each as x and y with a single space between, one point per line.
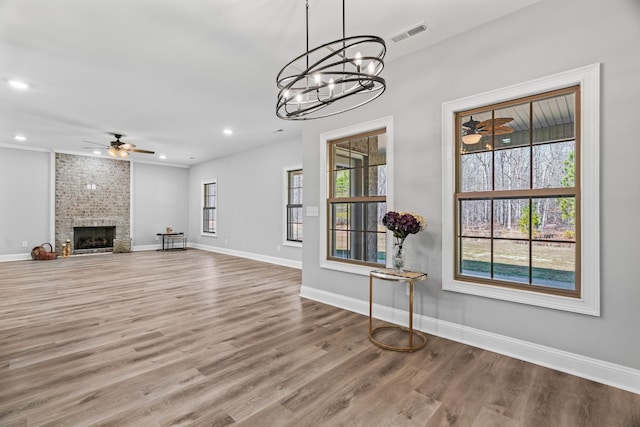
517 191
357 198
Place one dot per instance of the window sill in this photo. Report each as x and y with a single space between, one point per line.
205 234
585 305
361 270
292 244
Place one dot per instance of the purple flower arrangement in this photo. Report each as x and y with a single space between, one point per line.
403 223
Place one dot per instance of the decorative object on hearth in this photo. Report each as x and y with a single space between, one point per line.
118 148
41 253
121 246
402 224
332 78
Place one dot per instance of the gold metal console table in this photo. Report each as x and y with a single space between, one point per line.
403 277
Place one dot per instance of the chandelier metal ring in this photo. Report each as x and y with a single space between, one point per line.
316 84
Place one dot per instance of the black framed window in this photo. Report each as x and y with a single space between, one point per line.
209 205
294 205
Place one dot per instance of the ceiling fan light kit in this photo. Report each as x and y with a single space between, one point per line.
472 138
318 84
121 149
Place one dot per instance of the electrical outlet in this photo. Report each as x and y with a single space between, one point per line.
226 240
25 243
278 248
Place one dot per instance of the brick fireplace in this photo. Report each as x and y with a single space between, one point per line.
93 193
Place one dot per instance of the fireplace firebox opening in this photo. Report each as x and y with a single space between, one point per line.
85 238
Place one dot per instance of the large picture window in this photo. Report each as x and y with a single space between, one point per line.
516 193
520 193
209 205
357 197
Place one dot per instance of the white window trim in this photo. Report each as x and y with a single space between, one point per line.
385 122
588 78
202 184
285 200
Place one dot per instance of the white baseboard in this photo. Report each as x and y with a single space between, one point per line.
145 248
249 255
586 367
15 257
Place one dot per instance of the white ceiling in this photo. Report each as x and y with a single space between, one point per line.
171 75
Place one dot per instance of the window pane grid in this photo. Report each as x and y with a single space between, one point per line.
357 199
516 197
294 205
209 208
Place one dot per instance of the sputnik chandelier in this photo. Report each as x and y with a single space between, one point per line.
332 78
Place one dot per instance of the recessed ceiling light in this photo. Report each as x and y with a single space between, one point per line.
17 84
97 152
227 132
20 138
162 156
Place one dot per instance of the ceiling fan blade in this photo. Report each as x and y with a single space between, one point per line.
502 130
91 142
498 121
135 150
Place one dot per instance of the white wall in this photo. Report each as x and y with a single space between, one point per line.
24 200
250 199
546 38
160 199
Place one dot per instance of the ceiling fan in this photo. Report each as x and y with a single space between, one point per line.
473 130
120 149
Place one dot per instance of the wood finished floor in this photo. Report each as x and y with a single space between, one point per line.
196 338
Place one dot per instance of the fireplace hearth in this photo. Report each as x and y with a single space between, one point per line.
91 238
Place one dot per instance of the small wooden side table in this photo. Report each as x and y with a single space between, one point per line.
167 237
409 277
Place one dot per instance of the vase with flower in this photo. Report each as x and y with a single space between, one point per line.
402 224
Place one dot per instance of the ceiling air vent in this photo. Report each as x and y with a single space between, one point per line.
405 34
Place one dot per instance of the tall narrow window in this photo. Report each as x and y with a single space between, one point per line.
209 204
517 192
357 198
294 205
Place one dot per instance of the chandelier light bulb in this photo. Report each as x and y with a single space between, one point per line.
317 79
358 60
371 68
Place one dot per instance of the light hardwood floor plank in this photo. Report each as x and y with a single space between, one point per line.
192 338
